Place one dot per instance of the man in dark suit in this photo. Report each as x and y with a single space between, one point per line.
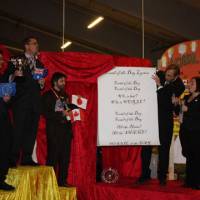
170 87
26 104
58 128
5 135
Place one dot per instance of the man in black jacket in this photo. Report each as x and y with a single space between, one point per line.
58 128
170 87
27 102
5 135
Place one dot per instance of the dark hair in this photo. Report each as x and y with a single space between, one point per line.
197 79
175 68
28 39
1 52
56 76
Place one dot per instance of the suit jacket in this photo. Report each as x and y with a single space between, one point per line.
165 106
55 121
27 89
191 118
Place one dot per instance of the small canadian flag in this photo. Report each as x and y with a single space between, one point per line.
75 115
79 101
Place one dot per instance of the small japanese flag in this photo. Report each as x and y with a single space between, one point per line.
79 101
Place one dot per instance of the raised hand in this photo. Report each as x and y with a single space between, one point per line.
156 79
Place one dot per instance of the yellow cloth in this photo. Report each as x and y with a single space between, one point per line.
68 193
176 128
177 124
34 183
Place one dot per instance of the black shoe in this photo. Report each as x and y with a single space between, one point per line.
163 182
197 187
5 186
186 185
29 163
142 180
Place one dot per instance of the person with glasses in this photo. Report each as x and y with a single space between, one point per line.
169 88
26 105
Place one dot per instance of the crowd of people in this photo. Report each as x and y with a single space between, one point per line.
18 138
28 103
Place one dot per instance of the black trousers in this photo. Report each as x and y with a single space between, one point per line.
58 148
5 141
165 134
190 141
99 163
24 133
184 136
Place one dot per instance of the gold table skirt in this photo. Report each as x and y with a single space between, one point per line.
36 183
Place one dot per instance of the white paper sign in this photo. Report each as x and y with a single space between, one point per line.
127 107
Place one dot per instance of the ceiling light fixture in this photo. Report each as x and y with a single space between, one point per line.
95 22
66 44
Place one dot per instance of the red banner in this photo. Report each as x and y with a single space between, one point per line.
186 55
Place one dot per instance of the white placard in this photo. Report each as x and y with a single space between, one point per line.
127 107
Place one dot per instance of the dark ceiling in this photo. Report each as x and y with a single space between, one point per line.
166 23
193 3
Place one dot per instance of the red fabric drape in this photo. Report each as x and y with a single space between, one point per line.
6 57
82 70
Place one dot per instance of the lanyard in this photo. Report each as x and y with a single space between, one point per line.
65 104
55 93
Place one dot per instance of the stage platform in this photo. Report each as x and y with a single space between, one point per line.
39 183
127 190
36 183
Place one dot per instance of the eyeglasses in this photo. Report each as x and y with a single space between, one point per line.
32 43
